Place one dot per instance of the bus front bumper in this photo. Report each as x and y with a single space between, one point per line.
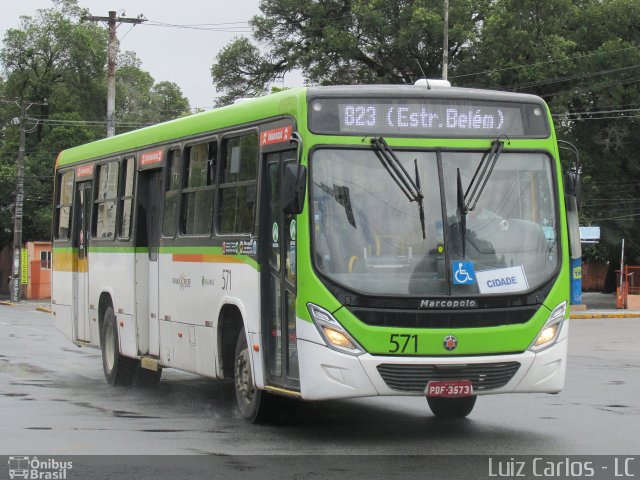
328 374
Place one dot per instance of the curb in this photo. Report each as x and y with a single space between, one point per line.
44 309
8 303
579 316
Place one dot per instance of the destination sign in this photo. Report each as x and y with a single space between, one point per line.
429 117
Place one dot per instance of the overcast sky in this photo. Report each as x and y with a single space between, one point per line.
180 55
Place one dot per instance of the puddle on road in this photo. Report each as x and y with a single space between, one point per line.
162 430
125 414
18 395
81 404
22 371
76 350
37 383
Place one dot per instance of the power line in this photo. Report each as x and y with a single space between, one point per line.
204 27
591 88
547 62
621 117
569 78
612 218
596 112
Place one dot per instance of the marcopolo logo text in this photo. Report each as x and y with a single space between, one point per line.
459 303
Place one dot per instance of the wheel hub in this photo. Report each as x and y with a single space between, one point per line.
109 344
243 379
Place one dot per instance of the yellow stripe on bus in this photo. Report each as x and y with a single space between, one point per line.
68 261
206 258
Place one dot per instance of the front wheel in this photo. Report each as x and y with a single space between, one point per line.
451 407
255 405
118 369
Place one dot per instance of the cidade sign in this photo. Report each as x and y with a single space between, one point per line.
502 280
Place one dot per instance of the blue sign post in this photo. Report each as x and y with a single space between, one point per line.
576 281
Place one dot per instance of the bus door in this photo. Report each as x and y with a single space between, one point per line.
149 199
278 237
81 238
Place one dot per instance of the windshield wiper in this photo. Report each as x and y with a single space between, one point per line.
462 214
481 176
468 201
410 187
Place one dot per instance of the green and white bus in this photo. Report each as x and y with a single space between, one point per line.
325 243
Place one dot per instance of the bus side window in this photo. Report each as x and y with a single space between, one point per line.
197 191
238 184
64 204
171 194
126 199
106 201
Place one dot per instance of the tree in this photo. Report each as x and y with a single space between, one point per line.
581 56
168 102
346 42
52 57
55 56
140 101
53 50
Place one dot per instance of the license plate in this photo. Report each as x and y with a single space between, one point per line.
446 388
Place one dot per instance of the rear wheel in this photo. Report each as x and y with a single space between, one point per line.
118 370
448 407
255 405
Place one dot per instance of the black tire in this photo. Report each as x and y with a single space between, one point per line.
255 405
147 378
118 370
457 407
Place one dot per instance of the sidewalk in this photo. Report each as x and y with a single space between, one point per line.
602 313
601 305
43 305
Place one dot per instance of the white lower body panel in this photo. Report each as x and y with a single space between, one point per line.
328 374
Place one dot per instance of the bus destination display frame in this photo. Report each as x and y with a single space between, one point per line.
427 117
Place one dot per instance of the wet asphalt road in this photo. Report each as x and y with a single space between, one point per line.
54 400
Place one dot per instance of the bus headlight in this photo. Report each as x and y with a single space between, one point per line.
549 333
334 335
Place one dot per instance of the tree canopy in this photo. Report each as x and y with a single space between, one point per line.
55 57
581 56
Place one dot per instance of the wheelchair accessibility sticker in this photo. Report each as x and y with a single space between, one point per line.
463 273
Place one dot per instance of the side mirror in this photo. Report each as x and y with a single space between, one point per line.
573 226
294 188
573 185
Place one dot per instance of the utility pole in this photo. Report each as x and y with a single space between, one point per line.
445 42
112 51
19 203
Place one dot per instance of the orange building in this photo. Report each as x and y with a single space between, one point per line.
39 280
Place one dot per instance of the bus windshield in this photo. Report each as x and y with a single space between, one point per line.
368 236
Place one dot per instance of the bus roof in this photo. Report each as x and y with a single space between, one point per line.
408 91
282 103
286 102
